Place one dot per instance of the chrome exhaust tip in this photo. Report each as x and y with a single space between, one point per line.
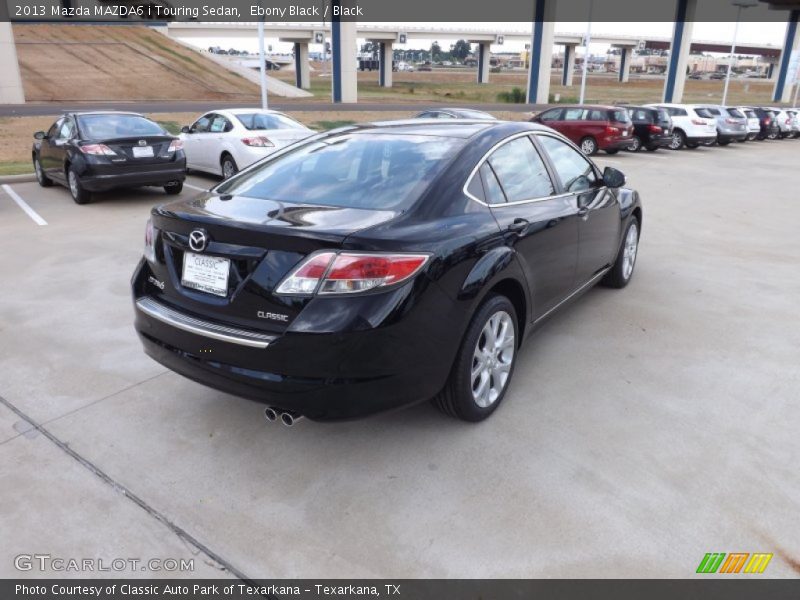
290 419
271 414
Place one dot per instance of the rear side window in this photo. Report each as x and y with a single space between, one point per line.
595 115
573 114
576 173
493 192
676 112
703 113
619 116
663 115
521 171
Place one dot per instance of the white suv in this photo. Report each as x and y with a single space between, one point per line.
753 122
785 121
691 125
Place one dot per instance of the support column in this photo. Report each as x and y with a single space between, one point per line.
542 33
11 90
625 64
484 56
783 86
344 81
771 72
569 66
387 59
679 50
302 76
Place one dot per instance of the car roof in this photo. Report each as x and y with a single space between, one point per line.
82 113
455 128
240 111
588 106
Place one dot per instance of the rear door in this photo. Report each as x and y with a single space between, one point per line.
196 141
539 223
597 208
575 126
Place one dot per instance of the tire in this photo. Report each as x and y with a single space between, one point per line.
469 394
678 140
79 194
636 144
773 135
43 179
621 273
651 148
723 142
228 166
612 151
588 146
692 145
174 189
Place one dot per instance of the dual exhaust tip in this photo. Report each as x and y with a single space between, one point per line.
286 417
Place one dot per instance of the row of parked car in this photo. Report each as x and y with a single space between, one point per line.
674 126
96 151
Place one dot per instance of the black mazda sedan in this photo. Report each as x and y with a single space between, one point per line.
98 151
377 266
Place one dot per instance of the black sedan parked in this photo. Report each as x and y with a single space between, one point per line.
381 265
98 151
652 128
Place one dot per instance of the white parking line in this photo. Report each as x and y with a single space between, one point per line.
194 187
24 205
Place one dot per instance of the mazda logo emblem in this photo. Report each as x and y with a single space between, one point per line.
143 142
198 240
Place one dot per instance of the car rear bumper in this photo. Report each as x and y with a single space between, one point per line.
95 182
737 136
331 375
703 140
615 143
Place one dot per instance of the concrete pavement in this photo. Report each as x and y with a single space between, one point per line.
644 427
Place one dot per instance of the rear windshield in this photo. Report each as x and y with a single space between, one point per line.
99 127
256 120
735 113
751 114
663 114
371 171
476 114
620 115
703 113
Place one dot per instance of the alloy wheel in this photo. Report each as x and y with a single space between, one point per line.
676 141
38 168
228 169
636 144
588 146
629 251
73 184
492 359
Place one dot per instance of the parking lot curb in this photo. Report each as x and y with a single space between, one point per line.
17 178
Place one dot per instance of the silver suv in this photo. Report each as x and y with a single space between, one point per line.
731 124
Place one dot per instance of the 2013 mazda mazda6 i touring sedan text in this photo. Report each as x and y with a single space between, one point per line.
377 266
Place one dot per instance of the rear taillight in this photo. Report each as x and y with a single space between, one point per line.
731 121
767 121
699 122
175 145
150 235
348 273
654 129
258 141
97 150
612 130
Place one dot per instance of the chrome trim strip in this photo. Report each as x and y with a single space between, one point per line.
176 319
592 281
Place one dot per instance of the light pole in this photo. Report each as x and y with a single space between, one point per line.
586 51
739 4
262 59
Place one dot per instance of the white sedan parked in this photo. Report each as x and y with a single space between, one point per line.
224 141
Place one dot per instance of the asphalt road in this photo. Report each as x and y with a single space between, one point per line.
57 108
644 427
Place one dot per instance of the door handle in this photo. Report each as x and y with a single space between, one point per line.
518 226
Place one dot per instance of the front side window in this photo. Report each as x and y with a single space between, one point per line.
379 171
202 124
54 129
573 114
220 125
551 115
576 173
521 171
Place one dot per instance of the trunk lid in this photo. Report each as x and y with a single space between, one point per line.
256 243
142 150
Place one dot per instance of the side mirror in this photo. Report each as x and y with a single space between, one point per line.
40 135
186 129
613 178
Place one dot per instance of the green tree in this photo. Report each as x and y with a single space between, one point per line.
461 49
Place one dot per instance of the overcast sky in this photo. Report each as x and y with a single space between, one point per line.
761 33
